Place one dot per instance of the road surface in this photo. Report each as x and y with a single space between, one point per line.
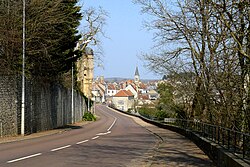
113 140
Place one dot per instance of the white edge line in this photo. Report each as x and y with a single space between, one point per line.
60 148
95 137
23 158
84 141
112 125
112 116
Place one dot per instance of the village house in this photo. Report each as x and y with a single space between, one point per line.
123 100
99 90
153 95
111 90
132 89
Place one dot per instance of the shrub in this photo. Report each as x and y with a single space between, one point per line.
160 115
88 116
148 112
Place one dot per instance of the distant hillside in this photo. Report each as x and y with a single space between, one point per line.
118 79
115 79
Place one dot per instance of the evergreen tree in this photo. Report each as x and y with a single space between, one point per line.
51 36
10 35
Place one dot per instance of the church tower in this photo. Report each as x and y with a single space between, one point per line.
85 69
137 76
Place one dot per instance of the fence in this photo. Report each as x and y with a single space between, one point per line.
234 141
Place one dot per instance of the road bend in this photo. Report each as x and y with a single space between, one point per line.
113 140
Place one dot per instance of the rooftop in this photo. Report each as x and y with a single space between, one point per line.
124 93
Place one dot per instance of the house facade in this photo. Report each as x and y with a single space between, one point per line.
132 89
123 100
111 90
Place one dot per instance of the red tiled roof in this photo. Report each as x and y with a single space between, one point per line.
133 86
124 93
111 87
129 81
100 88
143 86
143 97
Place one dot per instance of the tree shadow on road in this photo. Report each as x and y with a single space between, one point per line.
70 127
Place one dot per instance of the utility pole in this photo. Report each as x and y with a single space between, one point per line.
23 76
88 105
72 83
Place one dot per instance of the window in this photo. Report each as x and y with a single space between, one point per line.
121 102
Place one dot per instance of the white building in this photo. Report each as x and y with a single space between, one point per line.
111 90
132 89
123 100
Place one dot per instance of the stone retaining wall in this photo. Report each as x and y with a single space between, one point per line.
47 106
220 156
8 105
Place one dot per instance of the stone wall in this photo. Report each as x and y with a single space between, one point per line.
8 105
47 106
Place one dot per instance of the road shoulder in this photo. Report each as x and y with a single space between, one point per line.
172 149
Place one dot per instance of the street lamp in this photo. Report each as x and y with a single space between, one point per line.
23 76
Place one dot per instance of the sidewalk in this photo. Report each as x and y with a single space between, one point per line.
172 150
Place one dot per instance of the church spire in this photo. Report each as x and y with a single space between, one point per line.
137 75
137 71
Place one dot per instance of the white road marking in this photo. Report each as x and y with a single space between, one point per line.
111 116
84 141
100 134
23 158
112 125
95 137
60 148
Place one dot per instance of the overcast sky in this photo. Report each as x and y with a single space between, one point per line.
128 40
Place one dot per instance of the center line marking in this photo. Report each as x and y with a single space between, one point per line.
23 158
84 141
60 148
95 137
100 134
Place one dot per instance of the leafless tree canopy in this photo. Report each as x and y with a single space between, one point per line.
210 39
92 30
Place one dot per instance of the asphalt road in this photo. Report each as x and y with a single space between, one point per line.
113 140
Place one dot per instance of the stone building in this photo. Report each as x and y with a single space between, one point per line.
85 72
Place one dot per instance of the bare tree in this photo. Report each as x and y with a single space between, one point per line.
235 17
198 37
92 30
